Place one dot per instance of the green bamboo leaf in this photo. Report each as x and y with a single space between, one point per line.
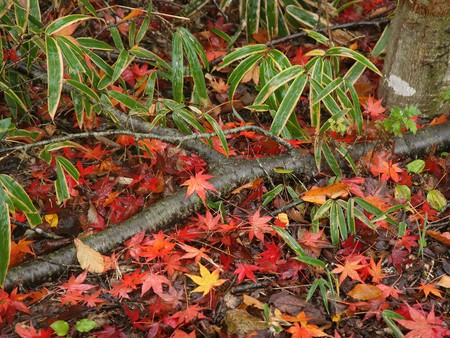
21 14
241 53
331 160
288 104
240 71
276 82
311 261
92 43
327 90
12 95
20 199
126 100
142 30
374 210
73 60
177 67
331 121
346 52
320 38
351 216
354 73
54 73
219 132
345 154
5 237
290 241
271 9
83 89
61 23
304 17
115 34
45 153
68 167
144 53
62 190
196 70
270 195
280 59
190 39
334 224
123 61
221 34
252 13
355 113
389 317
382 42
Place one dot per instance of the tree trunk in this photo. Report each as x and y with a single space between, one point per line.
417 64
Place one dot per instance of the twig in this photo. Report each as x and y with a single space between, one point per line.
176 140
36 230
377 22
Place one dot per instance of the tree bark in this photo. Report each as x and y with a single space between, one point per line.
417 64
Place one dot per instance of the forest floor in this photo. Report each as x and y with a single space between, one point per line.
228 270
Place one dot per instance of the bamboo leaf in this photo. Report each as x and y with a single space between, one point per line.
240 71
177 67
242 53
55 74
288 104
61 23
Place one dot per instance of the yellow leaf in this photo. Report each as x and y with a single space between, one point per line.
444 282
283 217
52 219
207 280
319 195
90 259
365 292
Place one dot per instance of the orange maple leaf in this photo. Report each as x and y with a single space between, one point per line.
386 169
349 269
301 328
430 288
199 184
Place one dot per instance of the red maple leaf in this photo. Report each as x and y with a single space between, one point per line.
376 271
245 270
25 331
199 184
387 291
407 241
374 108
300 58
160 285
423 325
258 226
186 316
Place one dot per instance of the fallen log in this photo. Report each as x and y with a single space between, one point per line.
229 174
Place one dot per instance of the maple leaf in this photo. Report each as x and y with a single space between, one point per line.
349 269
407 241
301 328
30 332
422 326
245 270
387 290
387 169
374 108
155 282
430 288
207 280
186 316
258 226
300 58
192 252
376 271
199 184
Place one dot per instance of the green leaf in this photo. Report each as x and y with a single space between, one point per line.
61 23
5 237
94 44
62 190
241 53
288 104
219 132
320 38
269 196
304 17
144 53
20 199
45 153
239 72
276 82
331 160
54 73
61 327
177 67
191 40
346 52
252 13
73 60
68 167
388 317
85 325
126 100
402 192
416 166
9 92
83 89
436 199
382 42
196 68
327 90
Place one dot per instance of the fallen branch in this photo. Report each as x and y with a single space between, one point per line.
229 174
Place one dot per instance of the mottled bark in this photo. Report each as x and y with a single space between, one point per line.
417 65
